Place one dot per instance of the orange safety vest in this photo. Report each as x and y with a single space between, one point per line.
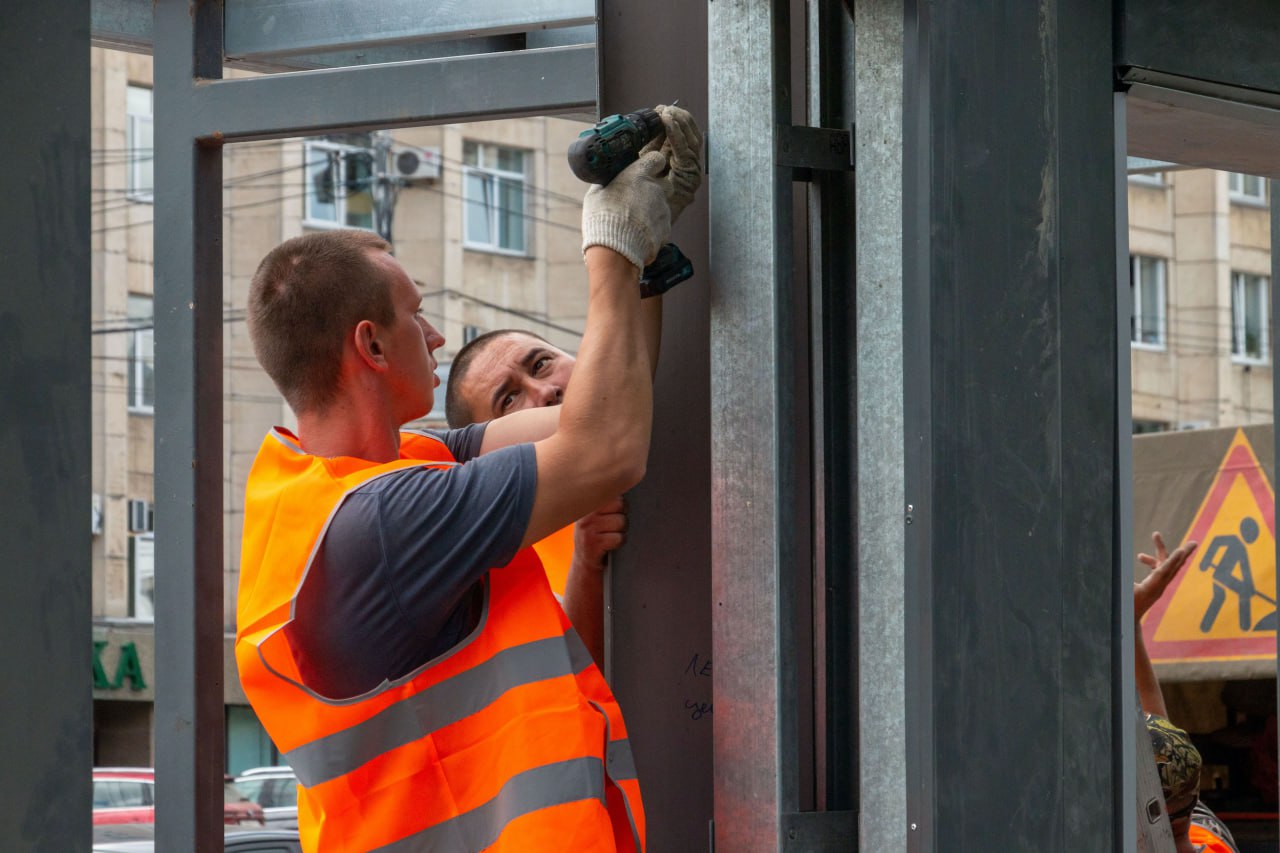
511 741
1199 835
555 551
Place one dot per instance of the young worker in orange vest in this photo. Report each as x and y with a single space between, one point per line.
396 633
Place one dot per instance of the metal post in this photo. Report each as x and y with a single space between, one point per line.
659 607
1011 397
45 430
189 717
879 155
754 530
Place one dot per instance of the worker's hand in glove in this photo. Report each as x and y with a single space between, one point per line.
631 215
681 144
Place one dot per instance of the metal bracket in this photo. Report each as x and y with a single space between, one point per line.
807 148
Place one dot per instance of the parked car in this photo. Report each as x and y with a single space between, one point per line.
127 795
123 795
276 790
237 840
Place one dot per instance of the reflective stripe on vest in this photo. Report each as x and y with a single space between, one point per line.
404 767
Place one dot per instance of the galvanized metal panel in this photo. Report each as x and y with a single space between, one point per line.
189 715
881 661
45 571
752 409
659 585
1010 421
260 28
549 81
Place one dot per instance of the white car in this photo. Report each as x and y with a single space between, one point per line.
276 790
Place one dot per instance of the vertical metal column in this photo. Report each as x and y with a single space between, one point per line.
189 724
1010 406
659 598
45 435
754 531
879 153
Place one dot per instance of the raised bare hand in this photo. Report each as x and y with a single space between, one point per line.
1164 568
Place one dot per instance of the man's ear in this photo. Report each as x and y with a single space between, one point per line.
365 338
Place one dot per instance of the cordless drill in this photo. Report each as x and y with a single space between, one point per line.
599 154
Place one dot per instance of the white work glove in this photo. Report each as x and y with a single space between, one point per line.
682 146
631 215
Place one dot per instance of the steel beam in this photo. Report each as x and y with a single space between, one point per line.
881 505
262 28
393 30
1012 556
755 530
45 430
548 81
1230 43
659 606
1210 129
189 715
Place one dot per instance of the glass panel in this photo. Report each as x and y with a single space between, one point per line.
1255 311
477 189
511 160
144 577
358 180
141 155
471 153
511 214
145 344
138 100
321 185
1151 298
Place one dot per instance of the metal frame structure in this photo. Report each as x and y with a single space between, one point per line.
961 580
45 437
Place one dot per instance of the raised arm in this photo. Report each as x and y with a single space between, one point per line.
602 443
1164 568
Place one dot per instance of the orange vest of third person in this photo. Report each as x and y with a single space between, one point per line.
511 741
555 551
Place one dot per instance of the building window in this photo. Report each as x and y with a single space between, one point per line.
493 185
1249 336
1247 189
1146 287
142 368
139 142
470 333
142 576
248 745
339 191
1142 426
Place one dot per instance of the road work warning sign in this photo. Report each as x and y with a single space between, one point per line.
1223 604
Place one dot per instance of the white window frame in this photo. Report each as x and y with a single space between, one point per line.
142 351
1149 179
310 153
493 175
1135 286
1240 193
1238 325
134 121
142 566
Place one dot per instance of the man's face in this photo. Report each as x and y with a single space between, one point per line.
410 344
514 372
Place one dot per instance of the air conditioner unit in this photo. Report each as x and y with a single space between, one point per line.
141 517
415 164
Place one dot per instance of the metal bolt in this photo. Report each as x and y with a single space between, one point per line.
913 827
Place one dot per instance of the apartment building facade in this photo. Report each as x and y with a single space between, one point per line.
484 216
1200 269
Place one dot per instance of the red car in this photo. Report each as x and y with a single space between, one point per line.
127 795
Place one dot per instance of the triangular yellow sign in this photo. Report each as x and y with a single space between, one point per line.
1223 604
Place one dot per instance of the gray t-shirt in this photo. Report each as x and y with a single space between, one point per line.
397 577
